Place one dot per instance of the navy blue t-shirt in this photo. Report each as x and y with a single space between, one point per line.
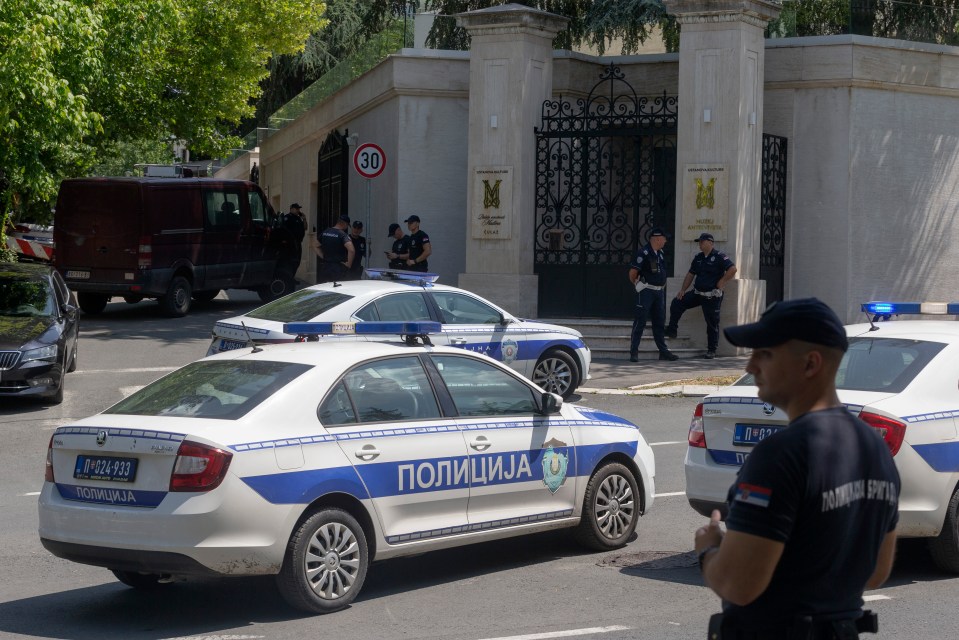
828 488
333 244
651 266
709 269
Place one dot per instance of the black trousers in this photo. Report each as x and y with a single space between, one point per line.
710 306
651 304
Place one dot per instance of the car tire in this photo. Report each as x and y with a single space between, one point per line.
325 564
205 296
73 360
556 372
610 508
282 284
143 581
57 398
176 302
944 548
92 303
132 299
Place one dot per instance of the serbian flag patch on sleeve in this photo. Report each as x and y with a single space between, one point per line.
751 494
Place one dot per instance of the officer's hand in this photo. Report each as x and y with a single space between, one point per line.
709 534
679 295
717 292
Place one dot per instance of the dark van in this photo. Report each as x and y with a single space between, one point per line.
173 239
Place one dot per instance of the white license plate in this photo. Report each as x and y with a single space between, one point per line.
78 275
230 345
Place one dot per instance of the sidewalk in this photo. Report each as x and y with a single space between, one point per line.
660 377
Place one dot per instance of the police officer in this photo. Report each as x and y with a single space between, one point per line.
813 512
712 270
335 250
359 248
647 273
400 252
290 233
419 245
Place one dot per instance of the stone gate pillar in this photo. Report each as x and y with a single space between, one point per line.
719 155
511 74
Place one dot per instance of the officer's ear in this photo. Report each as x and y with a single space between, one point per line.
814 362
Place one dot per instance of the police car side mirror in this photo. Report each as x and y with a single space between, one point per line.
503 320
550 403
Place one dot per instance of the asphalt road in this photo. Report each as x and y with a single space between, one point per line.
529 588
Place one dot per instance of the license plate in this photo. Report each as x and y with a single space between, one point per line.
78 275
105 468
752 434
230 345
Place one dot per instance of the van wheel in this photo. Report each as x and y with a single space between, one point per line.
944 548
176 302
92 303
205 296
281 285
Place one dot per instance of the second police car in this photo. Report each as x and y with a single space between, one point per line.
554 357
902 378
308 461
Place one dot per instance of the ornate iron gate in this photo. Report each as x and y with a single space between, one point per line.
333 171
605 175
772 250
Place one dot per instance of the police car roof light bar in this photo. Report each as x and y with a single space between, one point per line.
885 310
413 277
408 330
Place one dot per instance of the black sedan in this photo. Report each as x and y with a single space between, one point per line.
38 331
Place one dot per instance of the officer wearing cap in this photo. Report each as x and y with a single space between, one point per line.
289 236
813 512
400 252
335 250
359 249
712 269
419 245
647 273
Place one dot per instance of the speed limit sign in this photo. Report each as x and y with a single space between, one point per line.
369 160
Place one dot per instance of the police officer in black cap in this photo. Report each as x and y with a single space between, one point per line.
335 250
419 245
400 252
359 250
647 273
813 512
712 270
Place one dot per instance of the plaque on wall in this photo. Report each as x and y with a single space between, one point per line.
492 211
705 201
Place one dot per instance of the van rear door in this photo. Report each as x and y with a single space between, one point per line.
97 228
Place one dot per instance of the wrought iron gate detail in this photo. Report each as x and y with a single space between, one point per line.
605 175
772 250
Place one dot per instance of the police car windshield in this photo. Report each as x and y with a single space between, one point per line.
222 390
887 365
299 306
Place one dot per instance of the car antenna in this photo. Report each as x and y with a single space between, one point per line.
249 338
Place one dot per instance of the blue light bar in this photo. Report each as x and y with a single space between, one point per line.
414 277
911 308
362 328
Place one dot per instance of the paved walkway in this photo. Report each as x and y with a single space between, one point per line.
659 377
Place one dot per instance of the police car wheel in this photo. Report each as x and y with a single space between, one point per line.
557 373
944 548
325 564
610 508
280 285
145 581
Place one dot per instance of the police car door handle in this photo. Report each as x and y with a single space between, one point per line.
457 341
367 453
481 443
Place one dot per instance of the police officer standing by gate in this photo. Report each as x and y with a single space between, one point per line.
647 273
712 270
813 512
400 252
335 249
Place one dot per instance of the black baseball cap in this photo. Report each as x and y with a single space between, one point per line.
295 205
657 232
358 224
705 236
413 218
344 218
393 228
806 319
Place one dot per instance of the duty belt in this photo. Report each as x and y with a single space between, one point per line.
642 285
715 293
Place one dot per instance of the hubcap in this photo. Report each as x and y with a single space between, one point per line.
554 375
614 508
332 561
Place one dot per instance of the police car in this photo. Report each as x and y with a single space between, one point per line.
309 460
554 357
900 377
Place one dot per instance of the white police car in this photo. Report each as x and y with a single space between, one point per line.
310 460
554 357
900 377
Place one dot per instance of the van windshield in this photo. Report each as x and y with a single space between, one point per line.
299 306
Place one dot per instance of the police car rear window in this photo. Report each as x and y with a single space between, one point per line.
222 390
887 365
299 306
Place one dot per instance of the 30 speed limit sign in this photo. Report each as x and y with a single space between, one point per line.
369 160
